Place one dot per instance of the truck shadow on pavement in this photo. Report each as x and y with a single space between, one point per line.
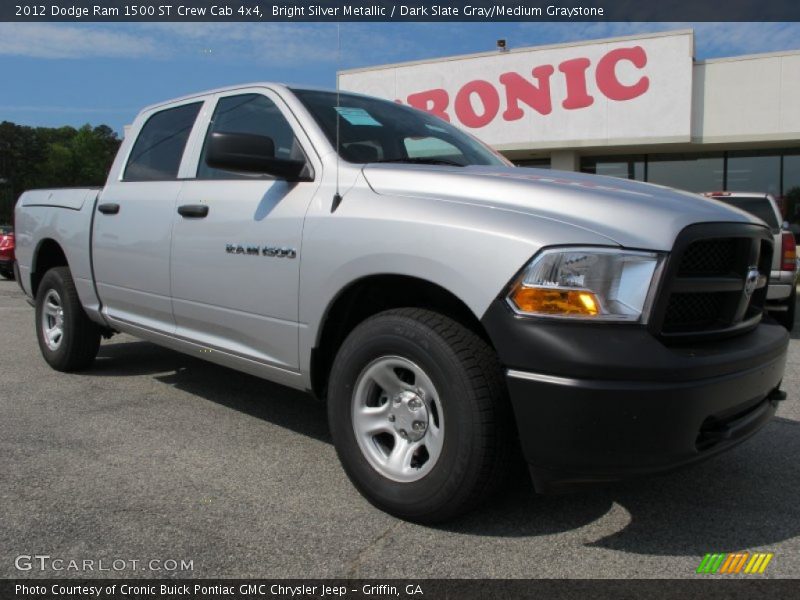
255 397
745 498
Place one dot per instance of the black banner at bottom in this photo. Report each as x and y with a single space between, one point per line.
374 589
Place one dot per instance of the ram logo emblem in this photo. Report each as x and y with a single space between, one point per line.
751 281
274 251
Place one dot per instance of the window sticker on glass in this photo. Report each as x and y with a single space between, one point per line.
357 116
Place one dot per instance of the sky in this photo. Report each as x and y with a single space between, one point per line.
54 74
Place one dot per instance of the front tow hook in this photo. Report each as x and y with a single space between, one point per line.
776 395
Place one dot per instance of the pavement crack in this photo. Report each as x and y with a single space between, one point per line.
355 565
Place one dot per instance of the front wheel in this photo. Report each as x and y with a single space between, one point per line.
68 339
419 415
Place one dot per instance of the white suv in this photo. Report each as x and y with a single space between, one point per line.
782 293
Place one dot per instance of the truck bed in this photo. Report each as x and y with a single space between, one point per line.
63 216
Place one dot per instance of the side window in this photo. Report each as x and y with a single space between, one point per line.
156 155
255 114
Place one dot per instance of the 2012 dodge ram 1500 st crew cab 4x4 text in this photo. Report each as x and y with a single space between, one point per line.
451 309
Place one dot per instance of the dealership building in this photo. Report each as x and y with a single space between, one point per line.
639 107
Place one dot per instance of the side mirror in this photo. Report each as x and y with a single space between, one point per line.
250 153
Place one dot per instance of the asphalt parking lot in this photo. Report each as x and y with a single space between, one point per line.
157 455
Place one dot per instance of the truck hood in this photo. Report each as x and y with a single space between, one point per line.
629 213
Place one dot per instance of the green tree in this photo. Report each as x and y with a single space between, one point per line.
52 157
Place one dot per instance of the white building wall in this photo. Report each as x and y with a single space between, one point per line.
747 99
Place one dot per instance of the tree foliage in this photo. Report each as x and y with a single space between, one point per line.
43 157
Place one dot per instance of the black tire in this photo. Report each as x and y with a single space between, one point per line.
786 318
80 339
7 274
479 434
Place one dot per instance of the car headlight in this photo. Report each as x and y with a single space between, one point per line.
594 284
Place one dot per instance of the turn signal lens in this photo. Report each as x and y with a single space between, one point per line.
555 302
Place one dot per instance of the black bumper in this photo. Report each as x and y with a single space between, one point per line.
603 402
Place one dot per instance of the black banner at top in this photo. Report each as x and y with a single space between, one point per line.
397 10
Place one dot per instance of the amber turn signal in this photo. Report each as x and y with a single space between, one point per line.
537 300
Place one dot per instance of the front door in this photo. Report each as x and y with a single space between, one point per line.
236 263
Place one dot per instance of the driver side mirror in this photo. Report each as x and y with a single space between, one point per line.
250 153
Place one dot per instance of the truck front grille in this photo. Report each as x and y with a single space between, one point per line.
709 257
704 292
694 311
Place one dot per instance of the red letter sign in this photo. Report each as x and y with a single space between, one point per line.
518 88
432 101
575 76
606 74
489 98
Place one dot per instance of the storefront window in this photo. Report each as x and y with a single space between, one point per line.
627 167
754 173
791 172
691 172
535 163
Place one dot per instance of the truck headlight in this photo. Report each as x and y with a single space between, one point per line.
594 284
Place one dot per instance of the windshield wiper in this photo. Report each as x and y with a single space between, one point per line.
420 161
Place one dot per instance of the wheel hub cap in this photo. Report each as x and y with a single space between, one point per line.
397 418
409 416
52 323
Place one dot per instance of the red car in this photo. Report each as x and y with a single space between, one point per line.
6 252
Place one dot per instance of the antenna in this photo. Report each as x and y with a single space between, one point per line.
337 197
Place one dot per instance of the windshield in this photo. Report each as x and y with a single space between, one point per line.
373 130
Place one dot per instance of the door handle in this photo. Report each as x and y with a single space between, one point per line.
193 211
109 208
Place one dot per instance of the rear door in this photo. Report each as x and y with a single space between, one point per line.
235 271
132 232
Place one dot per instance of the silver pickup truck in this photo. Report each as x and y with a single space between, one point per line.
453 311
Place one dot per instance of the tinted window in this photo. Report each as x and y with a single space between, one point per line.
254 114
695 173
758 206
626 167
754 173
791 172
156 155
372 130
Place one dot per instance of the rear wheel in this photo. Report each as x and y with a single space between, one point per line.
419 415
786 318
7 273
68 339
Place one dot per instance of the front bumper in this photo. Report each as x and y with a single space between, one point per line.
603 402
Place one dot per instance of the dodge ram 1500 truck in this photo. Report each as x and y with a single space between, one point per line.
450 309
